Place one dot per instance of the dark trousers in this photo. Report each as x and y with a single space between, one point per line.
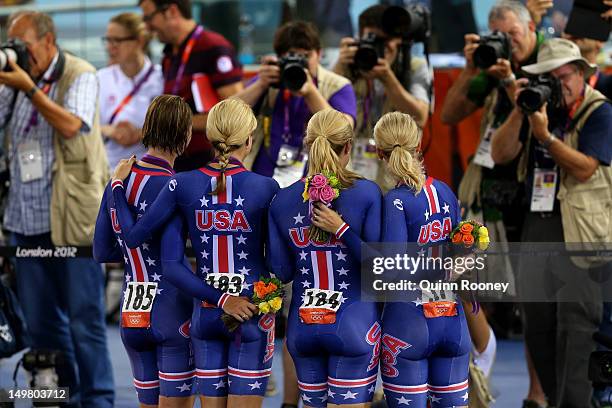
63 303
559 333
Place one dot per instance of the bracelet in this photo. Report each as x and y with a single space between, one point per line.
30 93
546 144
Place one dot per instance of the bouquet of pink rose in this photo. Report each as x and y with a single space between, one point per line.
323 188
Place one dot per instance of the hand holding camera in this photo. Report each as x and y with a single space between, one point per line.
269 73
14 60
348 49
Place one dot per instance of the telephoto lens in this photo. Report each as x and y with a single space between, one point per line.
292 75
492 47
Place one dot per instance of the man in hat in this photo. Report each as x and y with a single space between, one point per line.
565 165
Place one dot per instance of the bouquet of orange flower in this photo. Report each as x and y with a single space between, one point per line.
267 296
323 188
470 233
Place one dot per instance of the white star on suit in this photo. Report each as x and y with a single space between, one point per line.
446 209
184 387
426 215
465 396
343 271
304 271
242 255
341 256
344 285
306 284
254 385
324 397
128 278
241 240
203 201
330 393
156 277
303 256
246 286
298 219
372 388
244 270
143 205
305 398
403 401
159 291
350 395
204 254
418 302
342 299
125 259
204 238
239 201
204 269
434 399
150 261
220 384
145 246
119 241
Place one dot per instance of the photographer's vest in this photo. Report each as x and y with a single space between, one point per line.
80 171
470 185
328 83
364 154
586 207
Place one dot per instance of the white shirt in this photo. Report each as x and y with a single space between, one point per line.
114 87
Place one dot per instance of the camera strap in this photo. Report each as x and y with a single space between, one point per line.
48 80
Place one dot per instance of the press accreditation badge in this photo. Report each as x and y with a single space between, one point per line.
138 301
544 188
365 160
320 306
290 165
483 154
30 161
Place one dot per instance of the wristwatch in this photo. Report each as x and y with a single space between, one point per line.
508 80
30 93
546 143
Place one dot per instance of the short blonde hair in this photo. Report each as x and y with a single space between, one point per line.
398 136
228 127
135 26
327 133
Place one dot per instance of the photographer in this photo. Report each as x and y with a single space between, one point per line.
287 91
58 169
382 84
565 165
490 191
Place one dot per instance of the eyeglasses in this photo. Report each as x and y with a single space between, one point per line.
116 40
146 18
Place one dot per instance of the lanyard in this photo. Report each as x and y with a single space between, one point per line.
33 122
185 57
156 161
286 123
129 96
367 104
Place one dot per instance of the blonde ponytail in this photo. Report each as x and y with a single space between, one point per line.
228 127
399 137
327 133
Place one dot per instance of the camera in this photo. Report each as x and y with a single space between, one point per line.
491 48
14 50
540 89
292 75
41 366
412 22
369 49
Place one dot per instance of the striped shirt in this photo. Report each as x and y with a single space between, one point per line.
27 211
